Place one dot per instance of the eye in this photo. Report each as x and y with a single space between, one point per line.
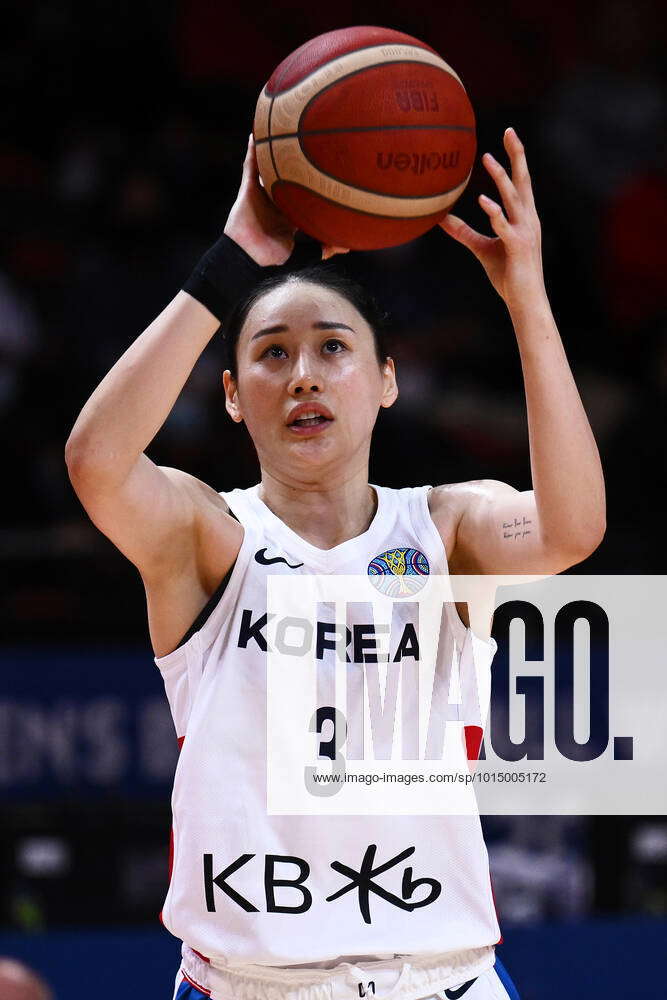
336 344
273 351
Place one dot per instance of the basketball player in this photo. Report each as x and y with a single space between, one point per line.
308 907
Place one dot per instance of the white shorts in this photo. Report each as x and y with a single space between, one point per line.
196 982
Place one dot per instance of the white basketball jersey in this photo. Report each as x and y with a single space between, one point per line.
248 888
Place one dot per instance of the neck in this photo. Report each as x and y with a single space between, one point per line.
324 515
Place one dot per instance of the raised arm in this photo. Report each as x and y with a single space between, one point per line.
562 519
158 516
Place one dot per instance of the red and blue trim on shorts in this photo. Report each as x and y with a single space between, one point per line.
190 990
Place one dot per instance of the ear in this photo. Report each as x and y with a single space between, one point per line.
232 404
390 388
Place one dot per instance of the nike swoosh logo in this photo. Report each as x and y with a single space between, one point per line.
458 991
262 558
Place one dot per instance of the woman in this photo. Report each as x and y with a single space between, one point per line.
275 904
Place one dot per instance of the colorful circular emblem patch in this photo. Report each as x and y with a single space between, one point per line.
399 572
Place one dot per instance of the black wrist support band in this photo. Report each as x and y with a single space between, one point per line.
226 273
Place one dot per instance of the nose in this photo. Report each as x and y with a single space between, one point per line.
302 386
304 378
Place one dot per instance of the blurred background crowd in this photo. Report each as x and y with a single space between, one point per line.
122 132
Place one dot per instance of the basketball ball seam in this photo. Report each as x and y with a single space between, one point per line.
370 215
268 125
361 128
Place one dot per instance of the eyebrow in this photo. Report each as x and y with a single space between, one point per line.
282 328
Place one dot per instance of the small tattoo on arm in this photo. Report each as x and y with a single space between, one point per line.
516 528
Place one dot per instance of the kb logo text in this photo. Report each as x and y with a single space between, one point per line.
362 881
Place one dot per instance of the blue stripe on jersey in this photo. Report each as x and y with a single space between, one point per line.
188 992
504 977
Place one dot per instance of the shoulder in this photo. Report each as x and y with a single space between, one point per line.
450 502
461 495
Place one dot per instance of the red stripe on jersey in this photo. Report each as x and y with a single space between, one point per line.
473 738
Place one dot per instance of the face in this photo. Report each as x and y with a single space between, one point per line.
309 384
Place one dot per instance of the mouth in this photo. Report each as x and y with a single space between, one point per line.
309 419
309 425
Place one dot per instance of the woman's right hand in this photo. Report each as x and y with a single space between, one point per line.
257 225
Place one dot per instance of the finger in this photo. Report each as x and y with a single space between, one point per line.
507 190
520 174
499 223
250 170
465 234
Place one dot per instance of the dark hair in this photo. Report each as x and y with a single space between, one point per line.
365 304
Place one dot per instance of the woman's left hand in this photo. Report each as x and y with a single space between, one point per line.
513 258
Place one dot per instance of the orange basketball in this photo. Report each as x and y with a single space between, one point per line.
365 137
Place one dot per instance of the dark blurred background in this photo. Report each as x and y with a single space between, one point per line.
123 128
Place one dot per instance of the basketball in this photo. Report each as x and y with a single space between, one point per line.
365 137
